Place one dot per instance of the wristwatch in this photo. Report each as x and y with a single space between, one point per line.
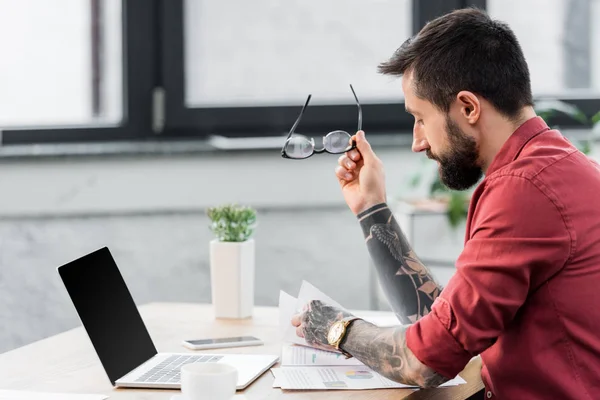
337 332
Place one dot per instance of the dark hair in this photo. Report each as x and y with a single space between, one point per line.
465 50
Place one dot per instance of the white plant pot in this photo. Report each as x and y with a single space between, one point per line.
232 278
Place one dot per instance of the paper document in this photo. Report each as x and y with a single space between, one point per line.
294 355
304 367
277 382
308 292
351 378
29 395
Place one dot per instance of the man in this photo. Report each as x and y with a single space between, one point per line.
525 293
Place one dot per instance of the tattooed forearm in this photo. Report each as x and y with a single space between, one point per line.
384 350
407 283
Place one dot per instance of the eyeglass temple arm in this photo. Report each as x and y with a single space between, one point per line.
359 109
299 117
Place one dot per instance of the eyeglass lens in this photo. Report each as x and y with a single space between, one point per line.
337 142
299 147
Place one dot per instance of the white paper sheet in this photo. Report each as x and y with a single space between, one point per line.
294 355
340 378
30 395
278 378
309 292
287 309
334 378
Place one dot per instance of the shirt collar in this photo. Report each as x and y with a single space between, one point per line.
512 147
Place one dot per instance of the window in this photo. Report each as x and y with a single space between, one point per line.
561 42
61 62
274 53
76 70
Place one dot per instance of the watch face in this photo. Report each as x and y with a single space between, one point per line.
335 332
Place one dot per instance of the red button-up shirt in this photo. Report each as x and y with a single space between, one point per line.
526 291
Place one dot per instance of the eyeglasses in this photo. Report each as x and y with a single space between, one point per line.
299 147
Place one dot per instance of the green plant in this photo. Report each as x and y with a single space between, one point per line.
457 202
232 223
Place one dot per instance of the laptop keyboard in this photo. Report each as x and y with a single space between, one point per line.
168 370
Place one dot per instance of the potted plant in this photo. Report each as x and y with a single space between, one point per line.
232 257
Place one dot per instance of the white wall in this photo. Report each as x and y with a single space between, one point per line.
263 179
596 44
540 36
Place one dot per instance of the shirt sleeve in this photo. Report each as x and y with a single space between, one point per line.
518 240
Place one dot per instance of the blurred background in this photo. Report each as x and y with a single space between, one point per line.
121 121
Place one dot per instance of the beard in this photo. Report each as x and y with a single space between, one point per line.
459 166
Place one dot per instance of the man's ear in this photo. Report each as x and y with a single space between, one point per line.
470 107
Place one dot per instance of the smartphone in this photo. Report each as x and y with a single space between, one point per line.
217 343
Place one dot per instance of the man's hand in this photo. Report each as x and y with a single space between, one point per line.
382 349
361 176
314 323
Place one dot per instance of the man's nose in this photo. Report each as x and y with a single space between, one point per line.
419 144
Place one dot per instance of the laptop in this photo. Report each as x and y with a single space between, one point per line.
122 342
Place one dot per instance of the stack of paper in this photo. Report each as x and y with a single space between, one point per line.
304 367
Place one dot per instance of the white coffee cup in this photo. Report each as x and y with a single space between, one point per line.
208 381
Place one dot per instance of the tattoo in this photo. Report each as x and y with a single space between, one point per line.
407 283
317 320
384 350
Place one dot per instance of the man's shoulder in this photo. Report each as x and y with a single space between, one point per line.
543 154
510 190
512 187
515 205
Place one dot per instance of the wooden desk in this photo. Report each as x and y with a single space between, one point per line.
68 363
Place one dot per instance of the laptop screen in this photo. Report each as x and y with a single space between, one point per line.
108 312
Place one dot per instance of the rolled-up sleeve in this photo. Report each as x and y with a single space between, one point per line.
518 239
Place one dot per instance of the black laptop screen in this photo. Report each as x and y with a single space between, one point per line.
108 312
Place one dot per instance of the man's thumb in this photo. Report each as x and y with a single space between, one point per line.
364 147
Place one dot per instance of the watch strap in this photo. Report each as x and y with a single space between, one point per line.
347 321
